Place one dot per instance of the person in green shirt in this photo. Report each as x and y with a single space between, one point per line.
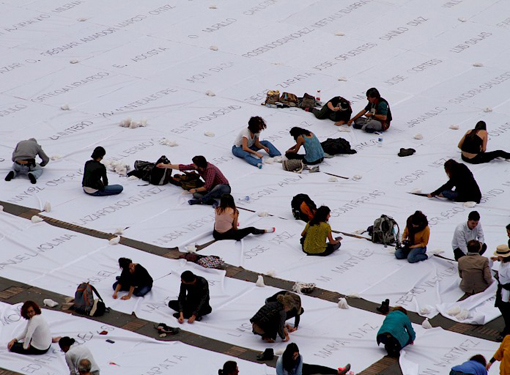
316 234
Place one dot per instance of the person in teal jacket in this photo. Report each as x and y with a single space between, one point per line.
396 331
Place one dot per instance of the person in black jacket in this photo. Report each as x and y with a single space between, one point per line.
134 279
461 178
295 312
94 180
193 301
270 319
336 109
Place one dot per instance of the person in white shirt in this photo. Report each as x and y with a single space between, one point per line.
36 338
247 143
467 231
502 254
75 353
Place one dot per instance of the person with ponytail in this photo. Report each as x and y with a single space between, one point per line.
291 363
474 146
74 353
316 232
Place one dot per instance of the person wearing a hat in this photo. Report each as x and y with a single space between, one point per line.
336 109
94 180
502 254
474 270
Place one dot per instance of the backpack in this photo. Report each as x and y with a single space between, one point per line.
148 171
307 102
84 302
188 180
300 204
337 146
383 231
293 165
288 99
272 98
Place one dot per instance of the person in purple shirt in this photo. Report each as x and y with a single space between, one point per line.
475 366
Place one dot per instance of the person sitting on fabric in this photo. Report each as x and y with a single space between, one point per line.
314 154
291 363
467 231
396 332
316 232
248 143
474 270
296 311
460 178
502 355
377 114
475 366
474 145
23 157
502 254
229 368
74 353
226 222
270 319
134 279
193 301
336 109
36 337
415 239
215 182
94 180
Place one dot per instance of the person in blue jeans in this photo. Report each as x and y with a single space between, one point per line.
396 332
24 160
415 239
94 181
314 154
134 279
248 143
475 366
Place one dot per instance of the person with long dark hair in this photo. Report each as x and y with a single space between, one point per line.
291 363
460 178
95 181
396 332
74 353
134 279
316 232
415 239
226 222
376 116
502 255
474 146
229 368
314 154
247 143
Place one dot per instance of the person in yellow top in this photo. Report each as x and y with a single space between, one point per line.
503 355
317 231
415 239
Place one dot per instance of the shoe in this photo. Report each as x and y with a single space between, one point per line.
385 307
344 370
215 204
267 355
315 169
259 165
9 176
270 230
32 178
328 156
164 329
406 152
191 202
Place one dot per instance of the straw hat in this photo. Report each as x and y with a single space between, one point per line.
502 251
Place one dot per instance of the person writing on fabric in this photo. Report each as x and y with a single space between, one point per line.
23 157
226 222
336 109
94 180
415 239
467 231
475 366
377 114
295 312
74 353
215 182
474 270
460 178
193 301
134 279
247 143
291 363
502 355
36 337
314 154
229 368
396 332
474 146
269 320
316 232
502 255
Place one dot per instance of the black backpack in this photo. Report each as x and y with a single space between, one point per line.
337 146
148 171
296 206
383 231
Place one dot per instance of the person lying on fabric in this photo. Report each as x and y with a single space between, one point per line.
215 182
291 363
134 279
474 146
94 181
270 319
193 301
23 157
377 114
314 154
226 222
474 270
316 232
475 366
336 109
467 231
415 239
74 353
247 143
396 332
296 311
460 178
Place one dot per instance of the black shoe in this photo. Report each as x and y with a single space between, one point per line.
406 152
32 178
385 307
9 176
163 328
267 355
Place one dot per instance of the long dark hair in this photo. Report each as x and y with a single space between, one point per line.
287 357
321 216
124 263
451 167
256 124
65 342
295 132
229 368
226 201
480 125
419 219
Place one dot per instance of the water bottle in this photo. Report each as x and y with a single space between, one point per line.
245 198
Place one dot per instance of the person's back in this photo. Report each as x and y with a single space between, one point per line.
315 239
470 367
399 326
465 185
223 221
76 354
475 273
473 142
313 148
92 175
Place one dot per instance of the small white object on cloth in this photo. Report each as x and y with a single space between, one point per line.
49 302
118 231
418 136
454 311
114 240
332 179
47 207
342 303
271 273
353 295
260 281
463 314
487 109
469 204
454 127
339 33
344 129
263 214
209 134
64 107
56 157
357 177
342 79
210 93
426 324
74 61
478 64
462 19
213 48
36 219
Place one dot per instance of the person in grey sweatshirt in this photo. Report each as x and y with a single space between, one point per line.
24 160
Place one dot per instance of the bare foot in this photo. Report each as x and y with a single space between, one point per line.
340 123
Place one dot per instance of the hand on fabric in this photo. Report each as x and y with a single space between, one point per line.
115 296
181 318
349 123
266 149
191 319
11 343
126 297
258 155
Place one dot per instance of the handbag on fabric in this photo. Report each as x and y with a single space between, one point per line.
188 180
337 146
307 102
293 165
383 231
288 99
148 171
272 98
85 303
